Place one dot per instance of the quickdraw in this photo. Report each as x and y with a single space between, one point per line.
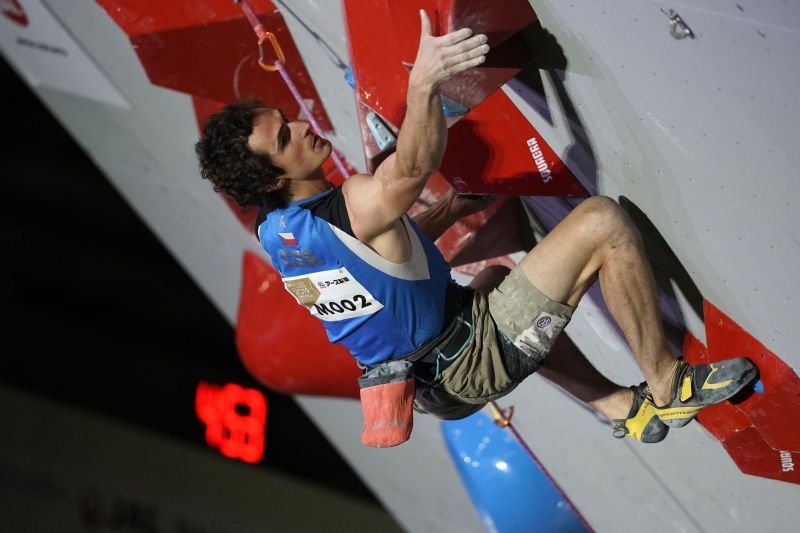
278 66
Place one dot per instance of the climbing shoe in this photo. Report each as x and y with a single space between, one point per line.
699 386
642 423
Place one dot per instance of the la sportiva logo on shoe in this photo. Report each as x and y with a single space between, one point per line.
12 10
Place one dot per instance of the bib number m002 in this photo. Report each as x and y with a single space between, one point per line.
332 295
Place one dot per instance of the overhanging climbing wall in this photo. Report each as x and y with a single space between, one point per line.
761 432
648 119
493 148
207 49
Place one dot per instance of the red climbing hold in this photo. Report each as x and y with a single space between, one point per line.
493 149
762 432
282 345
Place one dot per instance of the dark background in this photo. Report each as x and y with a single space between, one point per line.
96 314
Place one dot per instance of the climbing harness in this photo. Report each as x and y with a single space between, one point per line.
278 66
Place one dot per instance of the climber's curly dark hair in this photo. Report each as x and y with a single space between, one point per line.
227 161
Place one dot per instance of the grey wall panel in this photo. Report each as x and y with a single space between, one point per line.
699 134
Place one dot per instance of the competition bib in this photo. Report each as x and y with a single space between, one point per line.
332 295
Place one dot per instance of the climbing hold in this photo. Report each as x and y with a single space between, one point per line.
451 108
383 137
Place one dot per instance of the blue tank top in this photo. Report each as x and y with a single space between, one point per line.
378 309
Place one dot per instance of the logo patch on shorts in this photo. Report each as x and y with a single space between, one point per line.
543 321
537 340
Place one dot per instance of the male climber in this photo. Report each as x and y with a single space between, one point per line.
382 289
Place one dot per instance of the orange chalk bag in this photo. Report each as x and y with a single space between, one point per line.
387 400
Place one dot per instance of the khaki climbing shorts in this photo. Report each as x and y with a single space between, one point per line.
514 328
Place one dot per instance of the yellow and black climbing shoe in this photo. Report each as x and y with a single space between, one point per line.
642 423
699 386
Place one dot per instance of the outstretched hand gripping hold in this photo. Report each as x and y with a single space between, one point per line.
439 58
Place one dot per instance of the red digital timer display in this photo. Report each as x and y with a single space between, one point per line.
235 419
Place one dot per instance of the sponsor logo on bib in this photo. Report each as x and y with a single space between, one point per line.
303 290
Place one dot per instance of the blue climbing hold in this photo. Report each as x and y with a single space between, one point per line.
348 77
451 108
508 488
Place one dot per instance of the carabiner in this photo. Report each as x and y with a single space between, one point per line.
275 46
